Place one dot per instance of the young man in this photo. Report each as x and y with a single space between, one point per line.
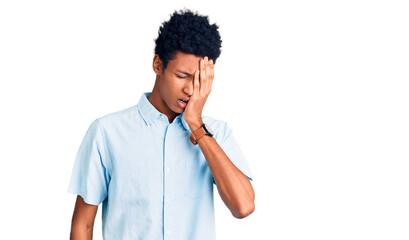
153 165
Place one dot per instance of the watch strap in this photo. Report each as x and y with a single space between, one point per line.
196 135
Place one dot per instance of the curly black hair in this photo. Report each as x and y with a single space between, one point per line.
190 33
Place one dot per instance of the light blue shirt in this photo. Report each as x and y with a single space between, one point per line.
153 182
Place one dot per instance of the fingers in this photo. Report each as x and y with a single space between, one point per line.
196 85
206 74
209 74
212 68
202 72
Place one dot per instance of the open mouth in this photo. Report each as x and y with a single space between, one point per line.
182 103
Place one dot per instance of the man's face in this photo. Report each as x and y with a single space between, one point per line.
176 82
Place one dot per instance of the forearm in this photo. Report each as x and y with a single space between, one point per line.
234 187
81 232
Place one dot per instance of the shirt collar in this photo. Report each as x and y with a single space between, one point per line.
150 113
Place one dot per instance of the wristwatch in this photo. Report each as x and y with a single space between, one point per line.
203 130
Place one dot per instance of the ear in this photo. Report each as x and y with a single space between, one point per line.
157 65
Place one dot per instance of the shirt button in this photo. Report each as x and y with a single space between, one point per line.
167 169
168 232
168 200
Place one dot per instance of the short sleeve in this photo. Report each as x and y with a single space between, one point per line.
90 178
230 146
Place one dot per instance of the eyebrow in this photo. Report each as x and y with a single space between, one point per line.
184 73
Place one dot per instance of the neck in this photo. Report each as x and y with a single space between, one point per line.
156 100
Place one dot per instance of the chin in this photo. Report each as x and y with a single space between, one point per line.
176 110
180 111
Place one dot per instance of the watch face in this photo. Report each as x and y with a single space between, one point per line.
207 127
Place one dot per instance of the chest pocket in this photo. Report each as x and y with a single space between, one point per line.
198 179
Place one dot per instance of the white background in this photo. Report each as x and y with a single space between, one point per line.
316 93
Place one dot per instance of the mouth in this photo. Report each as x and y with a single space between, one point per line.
182 103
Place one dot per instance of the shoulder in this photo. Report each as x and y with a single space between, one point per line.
220 127
213 122
119 116
119 113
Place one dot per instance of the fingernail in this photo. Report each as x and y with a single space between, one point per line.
202 62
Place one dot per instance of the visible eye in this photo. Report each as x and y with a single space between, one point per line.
180 76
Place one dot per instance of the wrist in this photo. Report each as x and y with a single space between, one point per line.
194 125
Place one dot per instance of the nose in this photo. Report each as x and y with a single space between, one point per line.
188 88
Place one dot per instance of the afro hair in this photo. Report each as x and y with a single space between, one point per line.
190 33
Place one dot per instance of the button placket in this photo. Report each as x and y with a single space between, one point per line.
167 172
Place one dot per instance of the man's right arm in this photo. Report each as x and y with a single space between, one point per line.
83 220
